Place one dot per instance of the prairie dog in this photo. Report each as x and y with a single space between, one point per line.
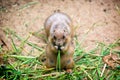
59 31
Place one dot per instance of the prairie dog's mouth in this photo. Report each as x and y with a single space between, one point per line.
59 47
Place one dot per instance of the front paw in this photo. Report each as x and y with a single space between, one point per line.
56 47
62 48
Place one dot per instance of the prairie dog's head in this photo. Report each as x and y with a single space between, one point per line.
59 36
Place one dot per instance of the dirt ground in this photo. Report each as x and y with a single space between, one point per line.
100 18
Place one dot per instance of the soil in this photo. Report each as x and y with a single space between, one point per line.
100 18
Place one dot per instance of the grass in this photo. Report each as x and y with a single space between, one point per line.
88 64
58 65
27 5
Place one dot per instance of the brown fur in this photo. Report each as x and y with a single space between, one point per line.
59 31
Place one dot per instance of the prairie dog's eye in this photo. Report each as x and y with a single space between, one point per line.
63 36
54 37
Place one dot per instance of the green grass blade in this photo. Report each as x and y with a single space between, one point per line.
58 65
14 46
